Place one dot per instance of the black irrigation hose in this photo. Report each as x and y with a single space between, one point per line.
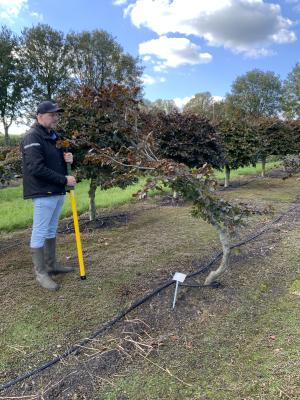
85 223
237 184
77 347
68 229
111 323
82 225
245 241
12 246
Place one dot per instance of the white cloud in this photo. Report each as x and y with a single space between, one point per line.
10 9
244 26
181 101
147 58
151 80
217 99
173 52
258 53
119 2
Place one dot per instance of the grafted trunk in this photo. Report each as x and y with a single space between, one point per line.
263 166
227 175
6 136
225 241
174 198
92 205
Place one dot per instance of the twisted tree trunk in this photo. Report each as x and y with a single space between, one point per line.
92 204
225 241
175 198
227 175
263 166
6 136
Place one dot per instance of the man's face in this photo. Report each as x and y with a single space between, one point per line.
48 120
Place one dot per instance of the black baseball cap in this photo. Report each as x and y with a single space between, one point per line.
48 107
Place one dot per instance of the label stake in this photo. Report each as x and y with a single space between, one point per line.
178 277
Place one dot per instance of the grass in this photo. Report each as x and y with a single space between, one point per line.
253 364
116 261
249 170
250 351
295 287
266 192
240 342
14 140
17 213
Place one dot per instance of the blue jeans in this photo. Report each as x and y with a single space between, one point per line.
46 213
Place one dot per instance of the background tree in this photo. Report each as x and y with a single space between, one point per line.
274 137
96 59
14 81
201 104
166 106
291 94
45 57
207 106
255 94
240 144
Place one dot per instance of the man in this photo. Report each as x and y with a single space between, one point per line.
44 180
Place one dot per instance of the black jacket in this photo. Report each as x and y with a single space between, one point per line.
44 168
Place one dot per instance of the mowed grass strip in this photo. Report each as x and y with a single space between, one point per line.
239 362
122 264
242 344
249 170
16 213
264 192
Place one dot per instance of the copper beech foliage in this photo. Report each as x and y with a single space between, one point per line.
291 161
115 143
109 133
184 137
99 119
195 185
247 140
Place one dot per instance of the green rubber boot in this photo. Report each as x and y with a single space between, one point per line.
41 273
54 267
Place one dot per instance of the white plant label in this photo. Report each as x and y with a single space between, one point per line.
179 277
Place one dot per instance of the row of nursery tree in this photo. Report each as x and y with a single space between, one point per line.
115 141
116 136
113 119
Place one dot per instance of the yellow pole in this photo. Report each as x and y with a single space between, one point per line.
76 227
77 235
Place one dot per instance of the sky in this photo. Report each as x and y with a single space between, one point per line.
185 46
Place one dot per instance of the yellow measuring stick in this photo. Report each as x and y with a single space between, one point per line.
77 235
76 227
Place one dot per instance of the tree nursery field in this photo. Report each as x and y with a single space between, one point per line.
232 341
130 331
